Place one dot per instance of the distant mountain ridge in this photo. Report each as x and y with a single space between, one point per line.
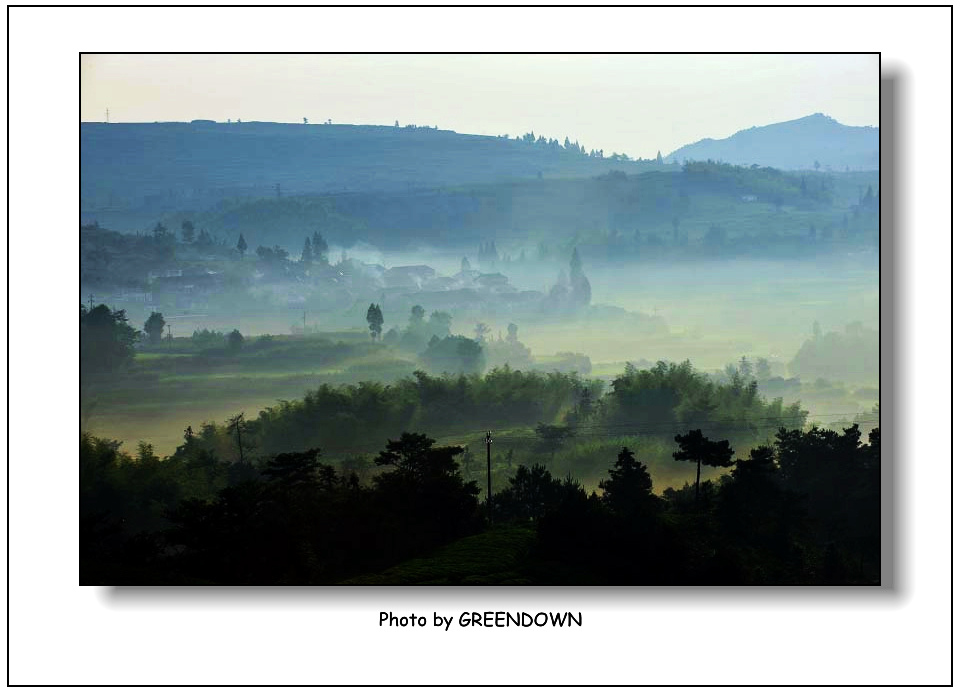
793 145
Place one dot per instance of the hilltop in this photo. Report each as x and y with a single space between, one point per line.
132 173
794 145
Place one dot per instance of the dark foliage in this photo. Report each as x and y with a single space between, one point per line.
106 340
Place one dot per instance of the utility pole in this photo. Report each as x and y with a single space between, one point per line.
91 302
489 440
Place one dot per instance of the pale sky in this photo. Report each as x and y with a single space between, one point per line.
633 104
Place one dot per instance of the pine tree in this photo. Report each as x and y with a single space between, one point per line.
630 488
694 446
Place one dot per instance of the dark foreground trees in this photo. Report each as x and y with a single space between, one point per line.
802 511
292 520
805 511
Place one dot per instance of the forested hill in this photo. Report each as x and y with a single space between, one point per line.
814 141
131 171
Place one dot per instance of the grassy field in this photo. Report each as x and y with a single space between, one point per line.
173 385
495 557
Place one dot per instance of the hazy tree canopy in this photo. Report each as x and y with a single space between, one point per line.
205 338
439 323
481 330
672 395
852 356
454 354
154 327
235 340
375 320
241 245
272 256
106 340
187 231
552 437
320 248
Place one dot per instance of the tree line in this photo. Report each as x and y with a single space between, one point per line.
804 510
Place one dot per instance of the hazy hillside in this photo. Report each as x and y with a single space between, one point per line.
797 144
131 173
604 211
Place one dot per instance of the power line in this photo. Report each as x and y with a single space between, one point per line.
679 424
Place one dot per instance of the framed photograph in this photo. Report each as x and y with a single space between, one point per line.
480 319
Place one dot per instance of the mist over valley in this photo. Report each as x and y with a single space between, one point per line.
331 318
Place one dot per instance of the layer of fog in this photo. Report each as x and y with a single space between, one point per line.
716 311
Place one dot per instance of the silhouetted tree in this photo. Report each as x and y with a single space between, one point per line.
235 427
835 473
306 256
241 246
629 491
530 494
423 493
696 447
758 515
